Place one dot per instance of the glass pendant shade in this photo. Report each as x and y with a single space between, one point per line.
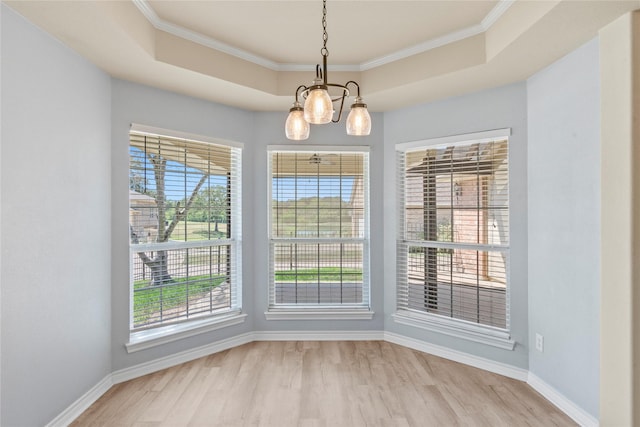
359 120
296 127
318 108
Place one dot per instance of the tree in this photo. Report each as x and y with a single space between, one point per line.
137 182
210 205
157 263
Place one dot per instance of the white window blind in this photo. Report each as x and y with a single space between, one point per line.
319 229
453 245
185 229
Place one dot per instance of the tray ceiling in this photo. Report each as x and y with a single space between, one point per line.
253 54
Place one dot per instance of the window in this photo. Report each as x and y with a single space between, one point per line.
184 227
453 245
319 238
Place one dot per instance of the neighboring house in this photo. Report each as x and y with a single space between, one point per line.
461 198
143 216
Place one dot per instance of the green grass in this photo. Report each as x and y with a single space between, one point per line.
206 234
198 231
326 274
149 301
209 256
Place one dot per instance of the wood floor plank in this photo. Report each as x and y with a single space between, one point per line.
322 384
191 397
167 398
212 403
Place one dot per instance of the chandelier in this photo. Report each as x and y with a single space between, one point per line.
318 103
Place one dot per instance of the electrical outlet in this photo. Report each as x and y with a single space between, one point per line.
539 342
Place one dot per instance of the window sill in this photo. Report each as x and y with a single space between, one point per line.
319 314
154 337
455 328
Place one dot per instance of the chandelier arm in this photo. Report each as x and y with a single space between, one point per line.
343 88
357 86
344 95
303 87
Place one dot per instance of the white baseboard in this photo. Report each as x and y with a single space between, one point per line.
178 358
318 336
572 410
458 356
82 404
565 405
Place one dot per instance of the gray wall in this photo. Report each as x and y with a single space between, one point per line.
134 103
56 272
564 224
502 107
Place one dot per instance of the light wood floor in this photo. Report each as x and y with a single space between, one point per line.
364 383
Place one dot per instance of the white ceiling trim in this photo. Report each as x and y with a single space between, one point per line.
491 18
423 47
312 67
195 37
495 13
212 43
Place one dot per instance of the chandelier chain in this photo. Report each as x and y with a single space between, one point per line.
324 51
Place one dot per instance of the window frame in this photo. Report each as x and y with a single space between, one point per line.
140 339
360 311
476 332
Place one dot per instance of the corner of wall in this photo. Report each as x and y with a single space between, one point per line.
620 91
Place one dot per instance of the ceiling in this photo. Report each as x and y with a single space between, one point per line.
253 54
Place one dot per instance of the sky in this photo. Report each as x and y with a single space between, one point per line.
283 189
175 177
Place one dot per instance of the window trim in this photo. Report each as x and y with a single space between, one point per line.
483 136
155 336
150 338
322 312
479 333
314 313
456 328
156 131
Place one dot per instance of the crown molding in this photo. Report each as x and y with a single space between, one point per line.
423 47
312 67
491 18
495 13
176 30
